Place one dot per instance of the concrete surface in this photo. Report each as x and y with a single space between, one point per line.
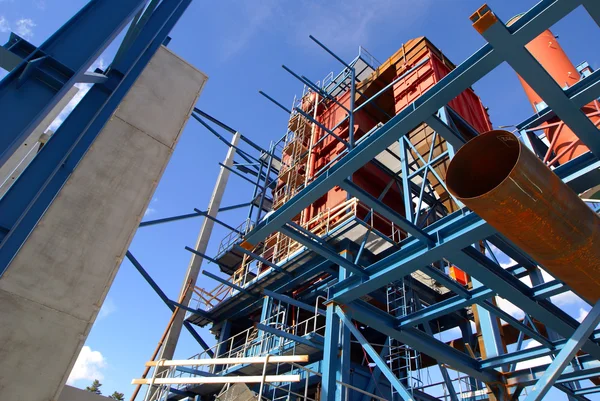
76 394
51 293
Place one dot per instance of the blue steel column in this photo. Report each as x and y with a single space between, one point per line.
265 313
564 357
331 361
536 277
343 373
405 395
490 332
38 83
513 50
408 203
24 204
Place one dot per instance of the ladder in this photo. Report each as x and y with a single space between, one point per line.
404 361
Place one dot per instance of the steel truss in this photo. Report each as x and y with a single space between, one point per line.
457 238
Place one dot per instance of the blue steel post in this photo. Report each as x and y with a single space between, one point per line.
44 76
265 313
489 329
331 360
564 357
26 201
405 395
513 50
408 203
343 373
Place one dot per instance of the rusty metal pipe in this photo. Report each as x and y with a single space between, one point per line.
502 181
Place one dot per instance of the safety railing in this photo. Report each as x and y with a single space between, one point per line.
277 248
368 58
234 237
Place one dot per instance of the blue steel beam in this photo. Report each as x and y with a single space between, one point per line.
57 64
386 211
376 373
564 357
289 336
292 301
531 24
262 260
377 359
227 226
510 288
453 232
507 317
449 134
300 276
228 283
331 359
540 351
519 58
452 304
169 219
593 8
29 197
581 93
386 324
233 131
204 256
166 300
322 250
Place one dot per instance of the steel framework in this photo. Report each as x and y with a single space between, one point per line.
354 274
454 239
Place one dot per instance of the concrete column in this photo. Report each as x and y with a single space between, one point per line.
51 292
201 244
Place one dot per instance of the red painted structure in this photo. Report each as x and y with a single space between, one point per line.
434 66
564 144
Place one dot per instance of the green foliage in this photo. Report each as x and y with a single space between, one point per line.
95 387
117 396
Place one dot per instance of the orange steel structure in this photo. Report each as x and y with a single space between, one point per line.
511 188
324 148
564 144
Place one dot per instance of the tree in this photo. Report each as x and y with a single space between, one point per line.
117 396
95 387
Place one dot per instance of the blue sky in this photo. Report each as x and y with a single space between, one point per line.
241 45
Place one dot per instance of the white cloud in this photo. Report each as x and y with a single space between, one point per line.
150 210
4 25
566 298
510 308
343 25
24 27
83 89
582 314
545 360
256 14
108 308
89 366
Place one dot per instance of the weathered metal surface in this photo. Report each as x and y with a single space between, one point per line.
500 179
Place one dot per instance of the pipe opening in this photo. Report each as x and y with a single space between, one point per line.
482 164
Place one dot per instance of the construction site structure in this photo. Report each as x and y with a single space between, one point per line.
382 228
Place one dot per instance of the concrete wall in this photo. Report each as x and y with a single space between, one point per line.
76 394
52 291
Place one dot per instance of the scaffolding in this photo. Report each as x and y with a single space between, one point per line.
381 288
